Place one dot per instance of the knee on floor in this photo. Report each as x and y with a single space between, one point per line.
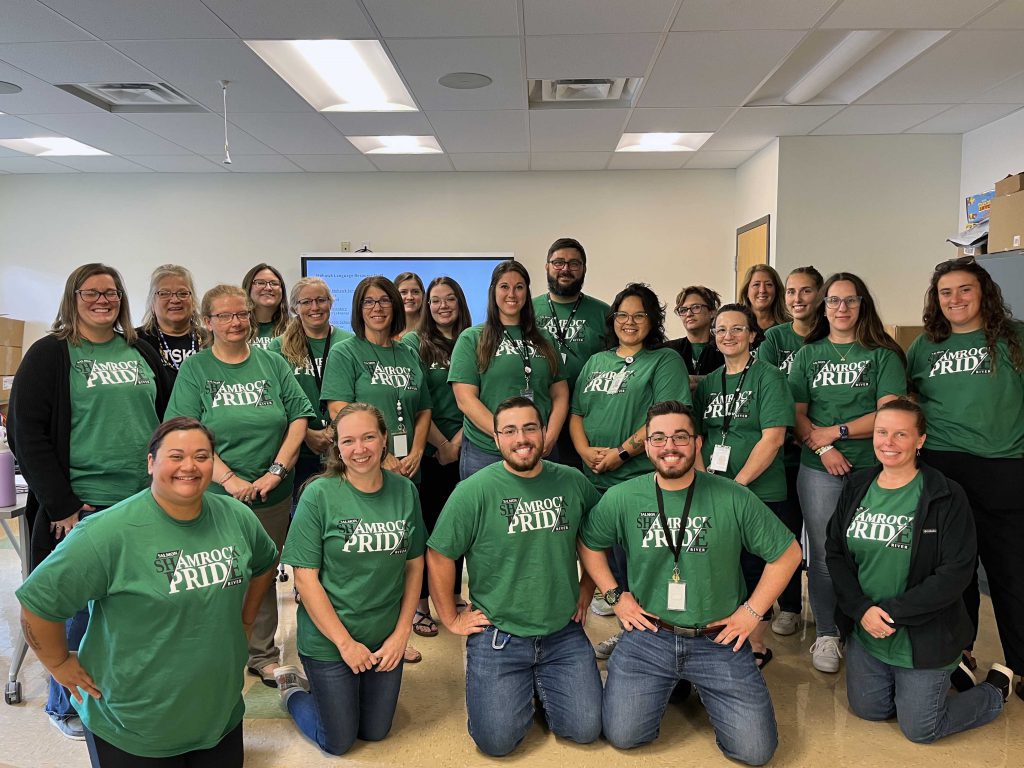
337 747
497 745
753 754
919 733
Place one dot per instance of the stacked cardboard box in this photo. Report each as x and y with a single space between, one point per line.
1006 221
11 334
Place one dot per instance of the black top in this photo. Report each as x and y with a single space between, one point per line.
172 349
710 358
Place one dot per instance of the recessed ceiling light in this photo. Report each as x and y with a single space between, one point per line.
464 81
338 75
6 88
396 145
51 146
661 142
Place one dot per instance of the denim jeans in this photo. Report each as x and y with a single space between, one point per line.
819 493
644 670
473 459
919 698
341 706
503 672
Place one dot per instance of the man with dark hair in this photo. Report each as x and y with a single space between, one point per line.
685 615
516 523
696 306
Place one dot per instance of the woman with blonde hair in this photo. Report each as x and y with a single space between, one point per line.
171 324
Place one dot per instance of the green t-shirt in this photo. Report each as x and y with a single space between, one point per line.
725 518
445 412
518 535
264 335
360 543
779 347
764 401
839 391
879 538
613 398
969 406
584 336
248 406
503 378
113 415
165 643
359 371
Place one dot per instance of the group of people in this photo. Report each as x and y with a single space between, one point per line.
570 453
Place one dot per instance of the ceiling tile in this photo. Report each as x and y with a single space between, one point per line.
569 161
445 18
15 128
104 165
380 123
196 66
684 120
706 159
564 56
467 131
411 162
644 161
37 97
256 163
110 133
753 127
294 134
32 165
179 163
28 21
906 14
74 62
143 19
866 120
712 15
276 20
714 69
422 62
332 163
1007 15
575 130
1007 92
583 17
965 117
202 134
491 161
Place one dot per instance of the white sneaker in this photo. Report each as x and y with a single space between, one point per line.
605 648
600 606
71 727
289 681
786 623
825 654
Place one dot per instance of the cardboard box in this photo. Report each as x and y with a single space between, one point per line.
12 332
1010 185
972 250
1006 224
6 383
10 358
904 334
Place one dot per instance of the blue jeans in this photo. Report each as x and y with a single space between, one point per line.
502 673
644 670
473 459
341 706
819 493
919 698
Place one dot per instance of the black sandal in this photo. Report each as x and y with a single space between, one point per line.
424 625
762 659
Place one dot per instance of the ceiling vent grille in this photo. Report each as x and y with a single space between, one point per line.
583 92
132 97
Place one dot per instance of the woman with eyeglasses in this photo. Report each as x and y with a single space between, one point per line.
506 356
744 409
968 372
171 324
410 288
847 367
265 288
446 318
85 399
761 292
306 345
251 401
696 307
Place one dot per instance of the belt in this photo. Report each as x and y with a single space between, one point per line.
690 631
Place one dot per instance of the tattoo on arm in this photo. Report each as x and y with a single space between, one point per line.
635 442
30 638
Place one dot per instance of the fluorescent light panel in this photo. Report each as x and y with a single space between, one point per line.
51 146
338 75
396 145
662 142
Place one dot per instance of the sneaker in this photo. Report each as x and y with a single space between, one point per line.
1000 678
786 623
289 681
600 606
71 727
605 648
825 654
962 678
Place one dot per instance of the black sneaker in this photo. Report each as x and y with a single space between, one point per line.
1000 678
962 678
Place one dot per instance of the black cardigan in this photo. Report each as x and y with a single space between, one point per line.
40 433
710 358
942 561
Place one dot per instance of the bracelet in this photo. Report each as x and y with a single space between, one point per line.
752 612
824 449
227 476
442 445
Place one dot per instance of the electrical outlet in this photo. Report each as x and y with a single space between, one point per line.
346 246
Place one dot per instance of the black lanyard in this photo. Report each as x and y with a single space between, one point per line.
559 329
318 370
727 420
677 547
523 352
167 347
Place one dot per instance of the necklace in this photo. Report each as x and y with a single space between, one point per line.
842 355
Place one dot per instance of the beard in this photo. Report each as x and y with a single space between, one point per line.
521 463
676 471
568 290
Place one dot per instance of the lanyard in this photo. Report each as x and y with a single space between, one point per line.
398 390
677 547
167 347
318 370
735 398
523 352
559 328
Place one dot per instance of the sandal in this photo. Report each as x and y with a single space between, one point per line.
267 678
412 656
762 659
461 605
423 624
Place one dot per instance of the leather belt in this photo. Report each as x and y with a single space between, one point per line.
690 631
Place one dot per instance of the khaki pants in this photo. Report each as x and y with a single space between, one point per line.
262 650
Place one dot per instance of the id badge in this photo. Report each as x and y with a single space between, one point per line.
564 357
527 393
720 458
676 596
401 445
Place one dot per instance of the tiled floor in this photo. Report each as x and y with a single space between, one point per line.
815 725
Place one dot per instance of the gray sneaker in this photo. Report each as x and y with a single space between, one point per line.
786 623
605 648
825 654
71 727
289 681
600 607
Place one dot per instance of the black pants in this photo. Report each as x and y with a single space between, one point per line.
565 451
995 490
226 754
436 485
792 517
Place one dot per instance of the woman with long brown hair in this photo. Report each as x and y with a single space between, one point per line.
410 288
761 292
265 287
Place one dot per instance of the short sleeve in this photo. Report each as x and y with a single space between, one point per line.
296 404
186 396
463 368
798 377
763 534
600 529
264 551
455 529
777 408
671 379
339 383
768 351
64 583
426 400
304 547
892 376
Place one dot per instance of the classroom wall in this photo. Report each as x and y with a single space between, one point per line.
757 192
666 228
989 154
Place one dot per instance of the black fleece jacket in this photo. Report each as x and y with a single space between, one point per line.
942 561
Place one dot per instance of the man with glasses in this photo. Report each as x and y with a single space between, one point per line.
516 523
685 615
696 307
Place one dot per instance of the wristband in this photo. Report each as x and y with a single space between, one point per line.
752 612
227 476
824 449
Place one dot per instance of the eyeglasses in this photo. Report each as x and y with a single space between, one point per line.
91 295
227 317
526 429
734 330
266 284
849 301
384 302
572 264
951 264
181 295
659 439
437 301
319 301
636 317
688 309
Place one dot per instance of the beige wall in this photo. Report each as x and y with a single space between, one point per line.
757 192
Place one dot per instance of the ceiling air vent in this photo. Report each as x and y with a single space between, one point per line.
583 92
132 97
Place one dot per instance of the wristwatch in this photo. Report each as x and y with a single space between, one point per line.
624 455
278 469
844 432
612 595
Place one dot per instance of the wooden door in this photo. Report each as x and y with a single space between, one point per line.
752 246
